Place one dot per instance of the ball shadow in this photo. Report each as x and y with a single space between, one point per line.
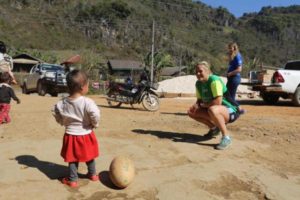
105 180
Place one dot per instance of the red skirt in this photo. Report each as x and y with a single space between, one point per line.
79 148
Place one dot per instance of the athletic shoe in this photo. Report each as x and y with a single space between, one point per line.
72 184
212 133
242 111
225 142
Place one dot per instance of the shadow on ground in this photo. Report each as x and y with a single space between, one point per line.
176 113
176 137
105 180
125 107
51 170
258 102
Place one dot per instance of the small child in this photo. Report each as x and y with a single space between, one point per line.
6 94
80 115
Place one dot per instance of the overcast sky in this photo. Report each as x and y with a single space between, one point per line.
238 7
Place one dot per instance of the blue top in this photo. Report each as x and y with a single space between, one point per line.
236 62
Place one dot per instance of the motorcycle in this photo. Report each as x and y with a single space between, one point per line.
119 93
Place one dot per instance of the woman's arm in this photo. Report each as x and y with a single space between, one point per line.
234 72
195 106
237 62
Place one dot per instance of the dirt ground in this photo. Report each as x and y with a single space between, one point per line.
172 159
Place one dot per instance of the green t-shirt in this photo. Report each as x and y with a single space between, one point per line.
212 88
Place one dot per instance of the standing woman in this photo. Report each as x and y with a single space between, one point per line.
234 69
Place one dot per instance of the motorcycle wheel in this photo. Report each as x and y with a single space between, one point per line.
113 104
150 102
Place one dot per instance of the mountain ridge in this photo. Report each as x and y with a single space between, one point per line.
186 30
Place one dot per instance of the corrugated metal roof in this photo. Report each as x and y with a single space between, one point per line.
24 61
27 56
125 64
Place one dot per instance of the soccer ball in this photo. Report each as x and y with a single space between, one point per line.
121 171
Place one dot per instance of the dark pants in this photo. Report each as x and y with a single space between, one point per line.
232 85
73 167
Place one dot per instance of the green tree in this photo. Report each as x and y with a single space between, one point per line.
160 60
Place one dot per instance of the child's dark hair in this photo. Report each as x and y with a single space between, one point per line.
76 79
5 77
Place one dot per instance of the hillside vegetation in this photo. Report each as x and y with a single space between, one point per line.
185 30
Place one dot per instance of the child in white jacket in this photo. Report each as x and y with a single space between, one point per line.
80 115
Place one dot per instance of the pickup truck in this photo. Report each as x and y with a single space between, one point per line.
284 83
45 78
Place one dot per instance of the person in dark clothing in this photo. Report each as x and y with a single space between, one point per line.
129 83
6 94
67 67
144 76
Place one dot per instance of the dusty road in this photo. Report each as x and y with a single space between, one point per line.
172 159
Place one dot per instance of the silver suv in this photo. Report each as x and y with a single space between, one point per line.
45 78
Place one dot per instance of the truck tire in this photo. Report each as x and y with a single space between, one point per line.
24 89
296 97
41 88
269 98
54 94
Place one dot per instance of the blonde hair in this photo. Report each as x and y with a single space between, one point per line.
235 50
205 64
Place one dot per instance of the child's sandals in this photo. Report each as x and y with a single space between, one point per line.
93 177
72 184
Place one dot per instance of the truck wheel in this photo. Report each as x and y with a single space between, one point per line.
296 97
24 89
41 89
54 94
269 98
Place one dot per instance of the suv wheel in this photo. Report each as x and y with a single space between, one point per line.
41 89
54 94
296 97
24 89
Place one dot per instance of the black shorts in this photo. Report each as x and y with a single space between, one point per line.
233 115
